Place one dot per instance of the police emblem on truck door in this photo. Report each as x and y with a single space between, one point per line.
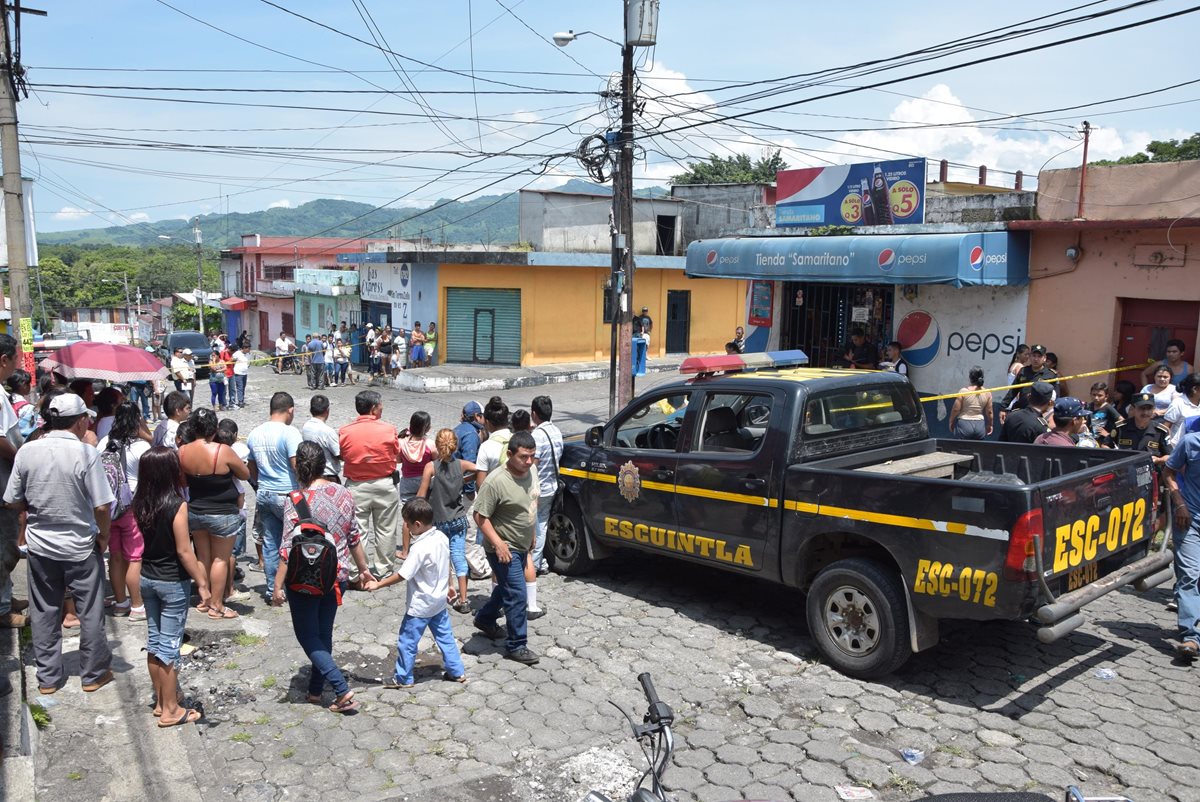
629 482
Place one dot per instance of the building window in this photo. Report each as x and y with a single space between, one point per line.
306 314
280 272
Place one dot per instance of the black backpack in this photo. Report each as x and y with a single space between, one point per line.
312 565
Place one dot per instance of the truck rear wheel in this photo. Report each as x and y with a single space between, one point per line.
566 543
857 615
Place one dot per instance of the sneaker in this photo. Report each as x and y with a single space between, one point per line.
1172 607
534 615
13 620
92 687
238 596
238 574
119 610
543 570
19 605
137 614
461 607
493 631
522 655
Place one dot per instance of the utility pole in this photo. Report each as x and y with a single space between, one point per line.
14 196
623 253
1087 133
199 273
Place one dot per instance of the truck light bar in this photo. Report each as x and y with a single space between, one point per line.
739 362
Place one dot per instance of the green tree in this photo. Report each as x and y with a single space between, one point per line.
1170 150
183 316
738 169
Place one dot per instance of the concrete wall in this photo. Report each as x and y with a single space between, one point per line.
714 210
1075 307
425 295
274 308
577 223
1124 192
992 207
562 308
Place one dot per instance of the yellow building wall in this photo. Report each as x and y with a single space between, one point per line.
562 308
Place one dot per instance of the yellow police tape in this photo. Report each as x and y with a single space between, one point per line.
1048 381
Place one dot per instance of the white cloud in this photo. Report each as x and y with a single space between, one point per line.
283 203
71 213
139 217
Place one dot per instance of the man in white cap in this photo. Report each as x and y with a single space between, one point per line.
59 482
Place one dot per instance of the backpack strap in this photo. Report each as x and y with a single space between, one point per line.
300 502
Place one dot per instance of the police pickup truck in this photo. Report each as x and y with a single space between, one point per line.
827 480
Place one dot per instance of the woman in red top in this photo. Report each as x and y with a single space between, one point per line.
416 451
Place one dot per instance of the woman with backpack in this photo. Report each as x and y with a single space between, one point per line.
214 514
327 510
169 568
120 451
442 486
416 451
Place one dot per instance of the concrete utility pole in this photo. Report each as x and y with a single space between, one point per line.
199 273
14 196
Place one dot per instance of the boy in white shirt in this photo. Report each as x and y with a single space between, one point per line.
427 570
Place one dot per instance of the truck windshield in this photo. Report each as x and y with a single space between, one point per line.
845 410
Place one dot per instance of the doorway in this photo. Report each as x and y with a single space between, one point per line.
1147 324
665 241
265 337
679 308
818 318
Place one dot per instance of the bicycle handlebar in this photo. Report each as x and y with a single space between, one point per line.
659 712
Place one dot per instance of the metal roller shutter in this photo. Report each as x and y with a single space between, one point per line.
483 326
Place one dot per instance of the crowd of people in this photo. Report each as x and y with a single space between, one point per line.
165 507
329 357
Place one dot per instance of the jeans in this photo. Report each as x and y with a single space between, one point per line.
508 593
375 365
217 391
139 393
1186 543
545 505
640 345
456 531
269 514
166 614
330 373
237 389
312 621
343 368
411 630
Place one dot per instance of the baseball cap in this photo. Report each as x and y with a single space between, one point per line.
645 309
68 405
471 409
1142 399
370 325
187 351
1044 390
1037 349
1068 407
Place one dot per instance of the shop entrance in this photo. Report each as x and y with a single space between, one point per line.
1147 324
818 318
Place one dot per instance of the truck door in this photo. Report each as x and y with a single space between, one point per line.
631 477
726 492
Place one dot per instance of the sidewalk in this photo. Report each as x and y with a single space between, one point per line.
480 378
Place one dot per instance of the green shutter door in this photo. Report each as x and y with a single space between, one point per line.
483 326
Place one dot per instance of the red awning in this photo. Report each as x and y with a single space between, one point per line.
235 304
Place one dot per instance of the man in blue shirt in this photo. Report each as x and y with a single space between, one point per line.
272 462
469 438
1185 497
316 362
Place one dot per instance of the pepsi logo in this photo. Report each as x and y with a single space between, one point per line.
711 258
919 337
887 259
976 257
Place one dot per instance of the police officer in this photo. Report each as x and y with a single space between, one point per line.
1141 432
1029 422
1036 370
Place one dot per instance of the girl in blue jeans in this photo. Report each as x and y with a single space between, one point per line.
168 567
442 487
312 616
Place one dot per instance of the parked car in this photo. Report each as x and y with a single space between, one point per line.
828 481
201 349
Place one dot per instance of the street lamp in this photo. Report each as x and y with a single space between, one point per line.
641 30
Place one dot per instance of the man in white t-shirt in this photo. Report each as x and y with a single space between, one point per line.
283 346
549 451
241 372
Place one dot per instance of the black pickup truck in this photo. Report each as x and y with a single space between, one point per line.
827 480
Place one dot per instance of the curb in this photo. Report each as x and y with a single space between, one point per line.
423 382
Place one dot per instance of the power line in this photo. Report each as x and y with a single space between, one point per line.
265 90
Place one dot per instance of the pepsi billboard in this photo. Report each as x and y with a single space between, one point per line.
870 194
993 258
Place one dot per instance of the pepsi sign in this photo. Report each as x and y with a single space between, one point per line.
920 338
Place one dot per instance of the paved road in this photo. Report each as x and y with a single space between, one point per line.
758 716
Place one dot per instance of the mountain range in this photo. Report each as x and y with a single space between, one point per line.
491 219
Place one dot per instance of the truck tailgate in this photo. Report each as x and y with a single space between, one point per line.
1093 515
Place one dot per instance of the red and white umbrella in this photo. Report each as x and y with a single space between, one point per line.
107 362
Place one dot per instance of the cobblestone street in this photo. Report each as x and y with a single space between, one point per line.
757 716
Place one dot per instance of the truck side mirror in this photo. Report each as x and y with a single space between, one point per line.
594 436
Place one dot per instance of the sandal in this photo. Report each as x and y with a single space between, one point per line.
313 700
398 686
1188 649
223 614
346 704
202 608
448 677
188 717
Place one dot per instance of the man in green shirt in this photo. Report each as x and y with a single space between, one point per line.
506 514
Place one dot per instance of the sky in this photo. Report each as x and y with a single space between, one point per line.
132 117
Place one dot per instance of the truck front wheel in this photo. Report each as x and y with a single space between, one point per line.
857 615
565 540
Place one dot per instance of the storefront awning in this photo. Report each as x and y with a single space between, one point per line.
984 258
235 304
